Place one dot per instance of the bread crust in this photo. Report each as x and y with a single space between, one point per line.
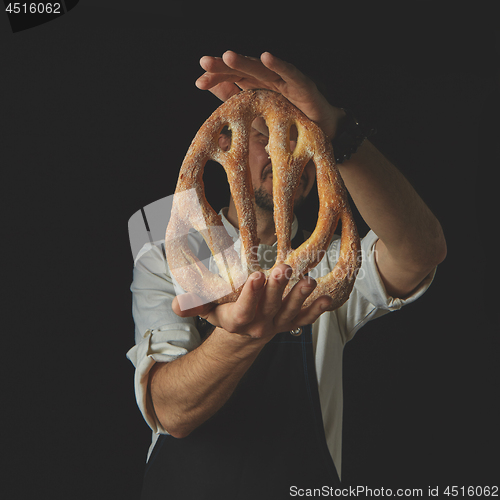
190 208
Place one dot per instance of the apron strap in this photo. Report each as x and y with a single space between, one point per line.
268 437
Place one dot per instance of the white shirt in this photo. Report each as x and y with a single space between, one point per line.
162 336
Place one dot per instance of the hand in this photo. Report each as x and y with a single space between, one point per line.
260 311
233 72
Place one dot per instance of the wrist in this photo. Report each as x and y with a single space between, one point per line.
350 135
238 344
336 122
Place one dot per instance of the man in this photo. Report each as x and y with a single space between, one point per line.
252 411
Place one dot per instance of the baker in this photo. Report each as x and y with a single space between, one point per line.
248 402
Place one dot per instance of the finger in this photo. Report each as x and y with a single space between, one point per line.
223 90
233 317
208 80
310 314
260 125
228 84
294 301
286 71
216 71
273 295
210 63
189 304
217 65
249 66
219 78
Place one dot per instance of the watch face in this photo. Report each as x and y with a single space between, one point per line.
351 137
204 327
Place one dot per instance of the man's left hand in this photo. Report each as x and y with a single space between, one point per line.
232 73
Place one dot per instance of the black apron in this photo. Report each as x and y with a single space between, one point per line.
266 439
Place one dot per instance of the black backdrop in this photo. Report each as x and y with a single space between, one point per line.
98 109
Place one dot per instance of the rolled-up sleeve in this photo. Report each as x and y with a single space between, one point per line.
160 335
369 298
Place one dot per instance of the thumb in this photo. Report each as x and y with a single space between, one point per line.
189 304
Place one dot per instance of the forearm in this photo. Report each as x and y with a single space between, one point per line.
393 209
188 391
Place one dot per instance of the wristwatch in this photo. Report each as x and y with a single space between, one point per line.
204 327
351 136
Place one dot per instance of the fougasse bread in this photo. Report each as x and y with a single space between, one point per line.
191 210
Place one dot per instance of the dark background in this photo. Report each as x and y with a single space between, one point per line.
98 108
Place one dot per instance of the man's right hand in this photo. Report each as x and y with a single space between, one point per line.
260 311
